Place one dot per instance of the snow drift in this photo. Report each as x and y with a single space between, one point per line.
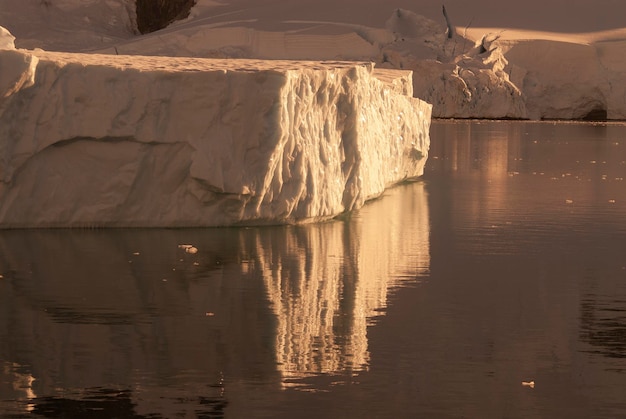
105 140
474 73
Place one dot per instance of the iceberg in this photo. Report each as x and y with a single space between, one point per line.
91 140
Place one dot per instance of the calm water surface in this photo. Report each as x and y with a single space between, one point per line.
446 297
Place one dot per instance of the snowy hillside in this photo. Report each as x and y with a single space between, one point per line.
499 62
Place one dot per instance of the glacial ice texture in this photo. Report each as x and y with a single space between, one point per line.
90 140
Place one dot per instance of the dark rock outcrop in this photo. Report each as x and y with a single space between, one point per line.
153 15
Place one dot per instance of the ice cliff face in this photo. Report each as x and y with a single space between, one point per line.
93 140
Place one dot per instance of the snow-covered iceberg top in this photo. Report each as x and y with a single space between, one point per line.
105 140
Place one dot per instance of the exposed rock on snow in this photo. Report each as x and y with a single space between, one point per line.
95 140
153 15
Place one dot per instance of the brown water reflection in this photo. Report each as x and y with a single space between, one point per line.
542 176
94 320
529 226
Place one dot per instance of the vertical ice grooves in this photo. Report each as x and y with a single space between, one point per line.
255 141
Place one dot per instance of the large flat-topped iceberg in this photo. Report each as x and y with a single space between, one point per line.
105 140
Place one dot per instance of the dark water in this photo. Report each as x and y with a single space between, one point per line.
506 264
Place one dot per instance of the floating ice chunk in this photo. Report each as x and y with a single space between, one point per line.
111 141
188 248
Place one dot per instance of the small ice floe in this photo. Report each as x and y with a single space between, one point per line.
530 384
188 248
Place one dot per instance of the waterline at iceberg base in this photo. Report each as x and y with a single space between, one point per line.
90 140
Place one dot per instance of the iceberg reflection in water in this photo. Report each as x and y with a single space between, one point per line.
89 318
327 282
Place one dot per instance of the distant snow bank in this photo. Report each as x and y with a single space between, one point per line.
105 140
477 73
